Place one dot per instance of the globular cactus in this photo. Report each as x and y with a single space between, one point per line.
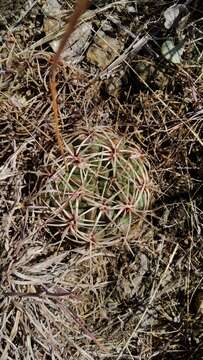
102 192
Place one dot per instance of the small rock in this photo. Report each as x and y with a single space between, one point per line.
51 8
131 10
104 50
52 18
77 44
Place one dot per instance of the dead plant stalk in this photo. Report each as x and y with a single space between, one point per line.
80 8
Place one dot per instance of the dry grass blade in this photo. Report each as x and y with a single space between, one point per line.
82 326
153 296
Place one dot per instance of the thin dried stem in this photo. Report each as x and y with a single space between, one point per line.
80 8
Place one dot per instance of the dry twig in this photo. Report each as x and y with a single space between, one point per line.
80 8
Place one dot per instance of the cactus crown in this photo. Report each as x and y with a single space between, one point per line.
105 189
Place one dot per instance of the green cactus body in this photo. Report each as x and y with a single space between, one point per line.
103 191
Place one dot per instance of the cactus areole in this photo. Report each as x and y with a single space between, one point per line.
103 191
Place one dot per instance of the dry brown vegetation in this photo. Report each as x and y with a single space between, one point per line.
136 299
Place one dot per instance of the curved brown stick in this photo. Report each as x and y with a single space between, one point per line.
80 8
